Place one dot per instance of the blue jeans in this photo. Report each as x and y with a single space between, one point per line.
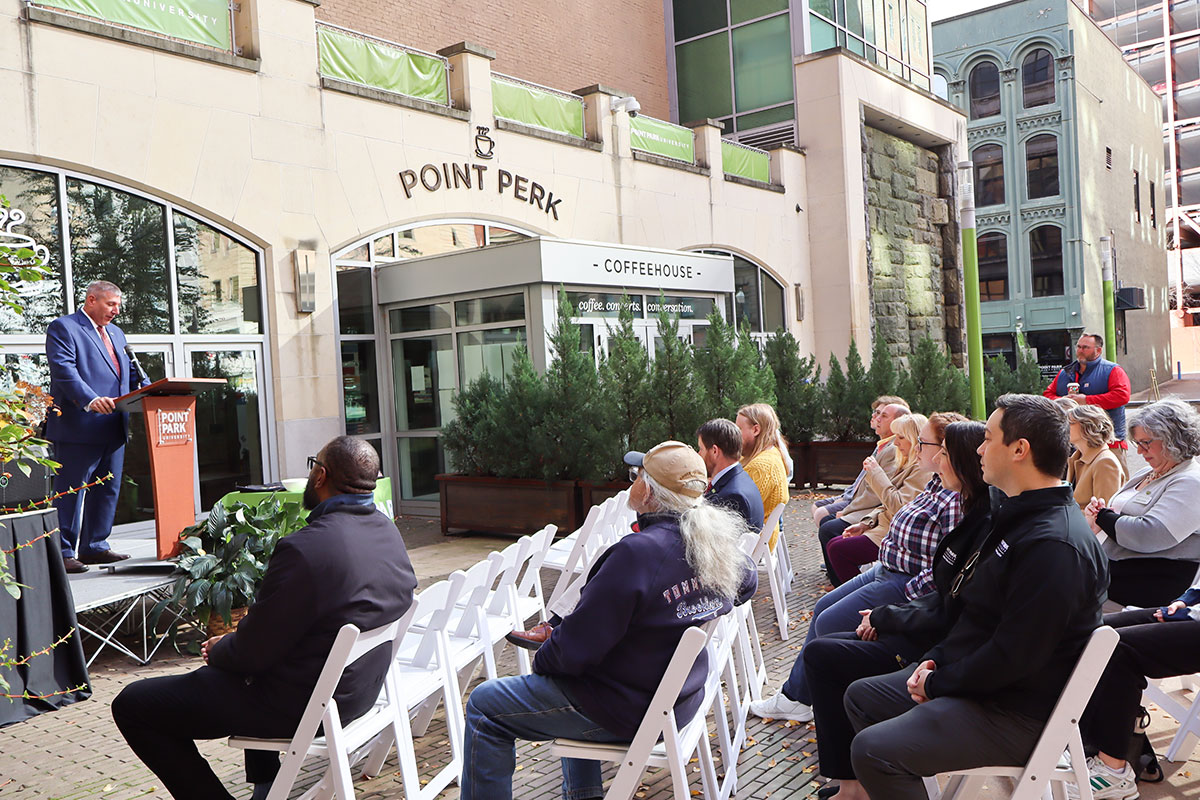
530 707
837 612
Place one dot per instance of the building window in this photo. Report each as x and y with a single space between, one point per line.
941 86
1041 166
993 266
1046 260
1137 196
985 90
1037 79
890 33
989 175
1108 158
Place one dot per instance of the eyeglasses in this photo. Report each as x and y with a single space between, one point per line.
312 462
921 443
634 473
967 571
1143 444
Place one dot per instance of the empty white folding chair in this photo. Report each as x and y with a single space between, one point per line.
468 641
343 743
767 559
1187 715
784 561
677 745
588 545
422 677
530 601
726 701
751 663
565 554
500 611
1061 733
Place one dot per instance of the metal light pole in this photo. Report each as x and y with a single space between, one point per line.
1110 313
966 221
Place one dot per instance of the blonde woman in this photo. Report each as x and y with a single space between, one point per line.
1093 470
762 456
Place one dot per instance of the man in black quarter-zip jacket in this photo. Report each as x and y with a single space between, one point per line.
1030 598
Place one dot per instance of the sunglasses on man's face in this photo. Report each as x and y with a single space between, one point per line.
634 474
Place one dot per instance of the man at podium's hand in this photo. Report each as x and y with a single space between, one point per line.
103 405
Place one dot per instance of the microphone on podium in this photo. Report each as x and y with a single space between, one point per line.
133 362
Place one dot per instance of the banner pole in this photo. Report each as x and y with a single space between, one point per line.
966 221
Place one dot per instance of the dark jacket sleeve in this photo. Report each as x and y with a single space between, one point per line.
924 615
64 367
278 619
602 615
1041 596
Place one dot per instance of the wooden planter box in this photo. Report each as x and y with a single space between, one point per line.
507 505
591 494
829 462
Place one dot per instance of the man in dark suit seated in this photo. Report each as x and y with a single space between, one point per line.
349 565
89 370
720 445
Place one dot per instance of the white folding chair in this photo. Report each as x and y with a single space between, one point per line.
783 561
530 601
1061 733
768 561
422 676
587 546
342 743
750 660
1187 715
725 700
645 750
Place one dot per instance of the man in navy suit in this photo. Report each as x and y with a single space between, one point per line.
720 445
88 371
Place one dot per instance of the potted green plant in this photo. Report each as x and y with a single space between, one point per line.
223 561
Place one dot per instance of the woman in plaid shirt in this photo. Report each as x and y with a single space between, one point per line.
902 573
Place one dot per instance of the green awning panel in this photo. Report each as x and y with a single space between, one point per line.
745 163
382 66
662 139
529 105
201 21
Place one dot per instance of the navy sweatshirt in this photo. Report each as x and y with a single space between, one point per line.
610 653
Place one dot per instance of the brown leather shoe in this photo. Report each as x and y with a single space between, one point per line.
533 638
104 557
74 565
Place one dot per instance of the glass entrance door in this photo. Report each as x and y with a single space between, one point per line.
229 421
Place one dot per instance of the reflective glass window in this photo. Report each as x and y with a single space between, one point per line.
1046 257
745 294
702 77
35 195
491 351
217 280
993 266
695 17
1041 166
989 175
821 34
432 240
985 90
1037 79
482 310
419 318
762 63
385 247
360 388
121 237
772 304
227 423
743 10
423 370
356 300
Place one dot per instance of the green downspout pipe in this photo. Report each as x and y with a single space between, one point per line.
1110 313
966 221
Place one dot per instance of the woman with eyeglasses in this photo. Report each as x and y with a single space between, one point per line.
1151 523
903 572
916 436
891 636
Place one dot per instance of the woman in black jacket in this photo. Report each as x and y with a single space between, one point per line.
893 636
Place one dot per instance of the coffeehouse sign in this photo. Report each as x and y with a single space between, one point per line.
480 177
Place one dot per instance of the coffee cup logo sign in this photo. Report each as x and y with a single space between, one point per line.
465 175
173 427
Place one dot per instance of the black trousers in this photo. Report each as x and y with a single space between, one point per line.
161 718
831 528
831 664
1148 649
1149 582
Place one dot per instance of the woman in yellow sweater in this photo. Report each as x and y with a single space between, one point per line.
761 456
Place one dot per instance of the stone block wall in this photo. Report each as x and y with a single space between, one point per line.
912 266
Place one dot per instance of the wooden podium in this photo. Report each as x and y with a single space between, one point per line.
170 408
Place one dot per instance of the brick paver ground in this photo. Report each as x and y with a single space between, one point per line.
77 752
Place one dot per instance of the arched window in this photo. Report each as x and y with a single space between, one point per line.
940 86
993 266
985 90
989 175
1037 79
1041 166
1046 260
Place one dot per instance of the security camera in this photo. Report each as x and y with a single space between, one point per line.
628 104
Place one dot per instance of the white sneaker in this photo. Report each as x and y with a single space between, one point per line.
780 707
1107 783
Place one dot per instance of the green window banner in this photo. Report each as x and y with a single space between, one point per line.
745 163
529 105
201 21
662 139
381 66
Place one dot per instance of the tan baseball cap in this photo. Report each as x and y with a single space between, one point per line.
674 466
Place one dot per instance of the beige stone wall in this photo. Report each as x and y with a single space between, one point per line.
566 45
1116 108
288 166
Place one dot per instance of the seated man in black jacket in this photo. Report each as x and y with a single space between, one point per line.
593 679
348 565
1030 598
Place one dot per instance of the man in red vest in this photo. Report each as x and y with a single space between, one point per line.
1091 379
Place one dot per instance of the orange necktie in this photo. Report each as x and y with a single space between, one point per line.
109 346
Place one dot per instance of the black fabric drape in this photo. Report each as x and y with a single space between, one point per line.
44 613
